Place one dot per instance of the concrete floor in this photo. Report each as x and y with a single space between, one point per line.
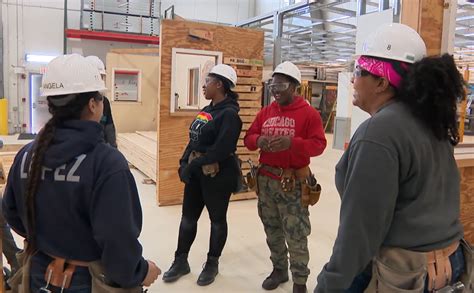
245 261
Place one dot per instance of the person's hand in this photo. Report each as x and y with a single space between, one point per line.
280 143
187 172
263 142
181 171
153 273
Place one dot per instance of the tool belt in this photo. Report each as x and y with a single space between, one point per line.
310 189
208 170
396 270
439 267
60 273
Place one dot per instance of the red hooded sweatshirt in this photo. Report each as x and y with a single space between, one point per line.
298 120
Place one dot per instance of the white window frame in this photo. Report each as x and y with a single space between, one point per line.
175 52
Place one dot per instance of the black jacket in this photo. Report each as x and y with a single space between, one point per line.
215 132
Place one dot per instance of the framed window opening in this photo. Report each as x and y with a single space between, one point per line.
126 85
189 70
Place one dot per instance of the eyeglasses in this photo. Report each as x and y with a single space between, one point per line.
209 80
358 72
278 87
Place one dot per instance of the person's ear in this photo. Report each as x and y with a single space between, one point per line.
383 85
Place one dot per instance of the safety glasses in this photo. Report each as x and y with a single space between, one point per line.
278 87
358 72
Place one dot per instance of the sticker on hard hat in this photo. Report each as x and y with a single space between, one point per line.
410 57
53 85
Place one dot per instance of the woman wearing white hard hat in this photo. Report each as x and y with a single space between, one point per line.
73 197
288 133
107 121
398 180
210 172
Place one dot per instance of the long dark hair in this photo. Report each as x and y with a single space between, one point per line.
431 88
227 87
70 111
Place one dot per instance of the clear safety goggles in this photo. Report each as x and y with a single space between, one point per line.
278 87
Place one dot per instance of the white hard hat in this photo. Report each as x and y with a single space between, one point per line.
225 71
395 41
289 69
71 74
94 60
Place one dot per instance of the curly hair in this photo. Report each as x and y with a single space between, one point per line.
431 89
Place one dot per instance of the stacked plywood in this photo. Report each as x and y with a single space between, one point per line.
140 150
249 87
7 155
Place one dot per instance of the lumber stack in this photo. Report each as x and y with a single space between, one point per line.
140 149
7 155
249 87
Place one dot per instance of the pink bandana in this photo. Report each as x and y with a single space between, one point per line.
382 69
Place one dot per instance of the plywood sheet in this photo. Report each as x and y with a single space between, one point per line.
140 151
467 202
149 134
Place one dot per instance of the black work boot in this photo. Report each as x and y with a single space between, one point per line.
209 272
276 278
179 268
297 288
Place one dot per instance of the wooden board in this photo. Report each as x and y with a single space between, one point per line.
140 151
243 61
244 195
250 104
248 73
173 130
249 111
249 81
250 97
426 17
467 202
149 134
247 89
247 119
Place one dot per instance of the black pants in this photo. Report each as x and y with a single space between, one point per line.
214 194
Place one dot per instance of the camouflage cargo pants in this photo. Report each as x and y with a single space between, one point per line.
286 225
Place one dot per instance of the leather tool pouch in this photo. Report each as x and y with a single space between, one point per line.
59 273
208 170
20 282
100 284
396 270
310 191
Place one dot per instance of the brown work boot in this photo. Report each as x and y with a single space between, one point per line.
297 288
276 278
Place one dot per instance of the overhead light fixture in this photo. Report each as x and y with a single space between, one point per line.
39 58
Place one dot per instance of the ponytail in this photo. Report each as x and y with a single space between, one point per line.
227 87
72 110
431 89
231 94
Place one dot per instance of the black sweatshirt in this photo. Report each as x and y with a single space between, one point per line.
215 132
87 204
107 122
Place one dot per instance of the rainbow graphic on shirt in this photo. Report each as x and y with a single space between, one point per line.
204 117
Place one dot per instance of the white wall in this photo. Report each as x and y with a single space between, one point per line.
220 11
